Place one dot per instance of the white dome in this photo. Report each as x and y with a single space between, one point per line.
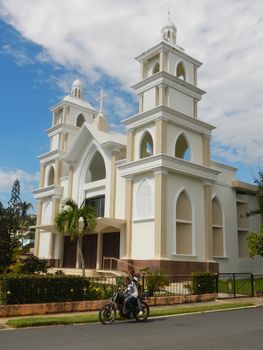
77 89
169 32
77 83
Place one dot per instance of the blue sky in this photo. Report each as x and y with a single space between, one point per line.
41 55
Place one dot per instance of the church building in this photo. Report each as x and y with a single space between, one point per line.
161 201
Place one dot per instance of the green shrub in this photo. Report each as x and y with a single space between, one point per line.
204 282
155 281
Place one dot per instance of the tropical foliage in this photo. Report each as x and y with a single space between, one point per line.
76 221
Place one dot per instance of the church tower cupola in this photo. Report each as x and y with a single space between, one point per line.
77 89
169 32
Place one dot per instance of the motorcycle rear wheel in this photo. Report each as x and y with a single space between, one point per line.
107 314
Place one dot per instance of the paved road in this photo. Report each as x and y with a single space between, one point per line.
240 329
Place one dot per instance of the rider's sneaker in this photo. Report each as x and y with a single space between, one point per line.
140 313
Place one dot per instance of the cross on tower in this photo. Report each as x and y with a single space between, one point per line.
101 98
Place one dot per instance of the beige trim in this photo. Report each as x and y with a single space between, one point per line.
128 214
130 146
160 214
208 222
161 130
114 157
37 234
195 108
99 251
64 117
206 151
245 187
55 208
70 181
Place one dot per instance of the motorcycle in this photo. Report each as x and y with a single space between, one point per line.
108 313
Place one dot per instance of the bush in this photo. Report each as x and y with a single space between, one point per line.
155 281
30 265
203 283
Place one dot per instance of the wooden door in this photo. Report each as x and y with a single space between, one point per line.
89 248
70 253
111 248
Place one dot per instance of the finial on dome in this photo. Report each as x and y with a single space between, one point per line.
77 89
169 31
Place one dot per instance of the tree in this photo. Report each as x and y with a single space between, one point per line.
76 221
8 243
255 239
25 220
14 205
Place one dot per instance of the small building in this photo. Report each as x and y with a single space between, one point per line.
161 201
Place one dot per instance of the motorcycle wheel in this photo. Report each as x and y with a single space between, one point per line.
107 314
145 315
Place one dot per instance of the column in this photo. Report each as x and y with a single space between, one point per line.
58 171
38 223
161 130
128 215
114 158
42 176
70 181
162 95
208 222
206 150
160 213
99 251
130 146
162 61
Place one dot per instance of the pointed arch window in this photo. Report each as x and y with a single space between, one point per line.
180 71
184 236
80 120
97 169
51 176
156 68
146 146
144 200
182 149
217 224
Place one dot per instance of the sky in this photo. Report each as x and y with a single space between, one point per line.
45 45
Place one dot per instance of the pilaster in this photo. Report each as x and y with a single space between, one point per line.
160 213
208 222
161 133
128 214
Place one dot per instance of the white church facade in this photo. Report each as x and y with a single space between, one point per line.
161 201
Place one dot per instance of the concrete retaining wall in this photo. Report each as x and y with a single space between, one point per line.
78 306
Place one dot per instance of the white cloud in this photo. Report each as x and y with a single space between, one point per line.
98 37
27 181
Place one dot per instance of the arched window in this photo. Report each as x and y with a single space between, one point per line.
146 146
51 176
182 149
180 71
144 200
184 239
76 92
80 120
96 170
156 68
217 222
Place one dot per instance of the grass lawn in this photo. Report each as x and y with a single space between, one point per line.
88 318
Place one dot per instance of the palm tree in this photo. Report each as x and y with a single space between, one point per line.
76 221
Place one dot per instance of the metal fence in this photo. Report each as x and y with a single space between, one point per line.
226 285
237 285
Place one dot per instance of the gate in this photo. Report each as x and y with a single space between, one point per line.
235 285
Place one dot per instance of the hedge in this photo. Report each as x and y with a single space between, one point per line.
28 289
204 282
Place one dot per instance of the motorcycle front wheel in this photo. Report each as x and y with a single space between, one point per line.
107 314
145 313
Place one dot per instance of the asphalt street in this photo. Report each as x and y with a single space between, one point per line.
239 329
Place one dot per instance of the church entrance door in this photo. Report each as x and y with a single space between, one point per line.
111 248
70 253
89 248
